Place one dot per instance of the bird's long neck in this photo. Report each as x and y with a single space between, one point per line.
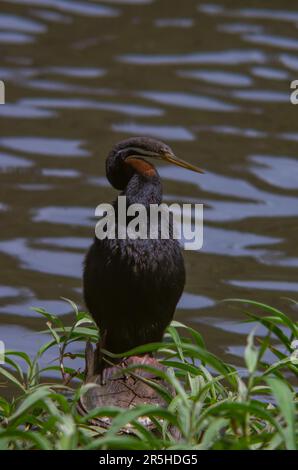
144 190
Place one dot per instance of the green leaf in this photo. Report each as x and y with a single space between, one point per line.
54 333
251 354
195 334
54 319
128 416
12 378
72 304
285 401
274 311
177 340
40 441
31 400
212 433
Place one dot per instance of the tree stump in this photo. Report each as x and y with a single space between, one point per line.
116 387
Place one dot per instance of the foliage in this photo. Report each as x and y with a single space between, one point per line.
215 406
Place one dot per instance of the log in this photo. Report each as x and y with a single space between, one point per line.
116 387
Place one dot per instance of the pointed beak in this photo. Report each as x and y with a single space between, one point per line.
171 158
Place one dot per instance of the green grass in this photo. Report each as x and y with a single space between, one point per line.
215 406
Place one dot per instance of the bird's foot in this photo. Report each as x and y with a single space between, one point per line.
98 354
89 361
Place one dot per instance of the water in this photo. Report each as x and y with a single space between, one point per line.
213 81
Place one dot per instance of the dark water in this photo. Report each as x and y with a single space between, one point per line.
210 79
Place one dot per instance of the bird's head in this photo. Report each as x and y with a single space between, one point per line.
127 158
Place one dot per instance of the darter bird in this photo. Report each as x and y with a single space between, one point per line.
132 286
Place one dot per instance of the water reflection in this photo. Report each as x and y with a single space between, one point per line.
273 41
44 146
174 23
260 13
77 72
233 57
18 110
73 103
219 77
280 171
189 101
74 7
289 61
270 73
18 23
15 38
269 96
161 132
11 161
266 285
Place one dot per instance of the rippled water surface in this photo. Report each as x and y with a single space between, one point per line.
213 81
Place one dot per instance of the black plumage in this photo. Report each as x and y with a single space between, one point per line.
132 287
